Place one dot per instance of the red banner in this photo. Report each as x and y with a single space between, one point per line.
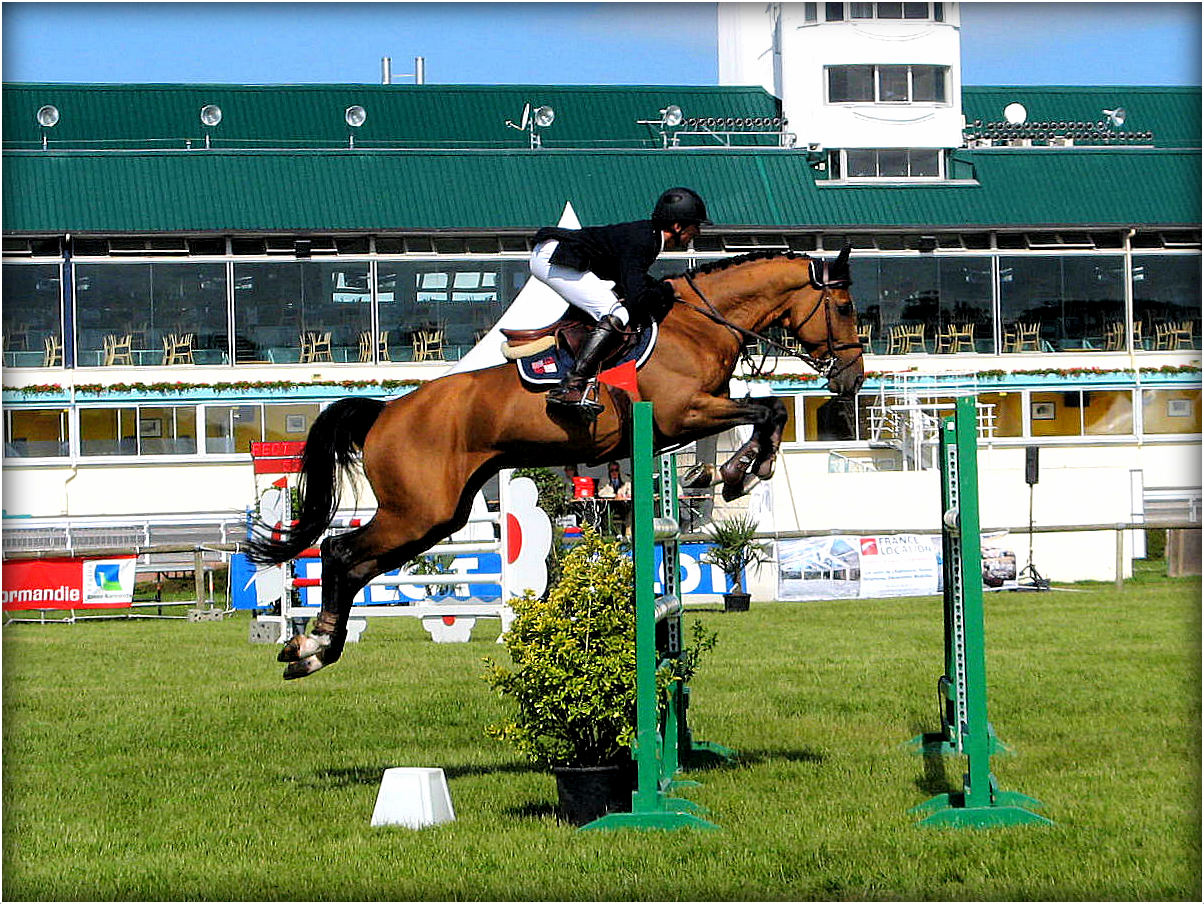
69 583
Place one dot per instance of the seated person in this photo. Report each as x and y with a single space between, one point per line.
616 486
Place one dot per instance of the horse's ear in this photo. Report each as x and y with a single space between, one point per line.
840 266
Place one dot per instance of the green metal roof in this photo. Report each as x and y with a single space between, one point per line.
299 116
382 190
1172 114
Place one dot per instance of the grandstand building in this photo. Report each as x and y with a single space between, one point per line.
189 268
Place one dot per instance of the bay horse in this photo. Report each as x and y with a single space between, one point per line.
426 454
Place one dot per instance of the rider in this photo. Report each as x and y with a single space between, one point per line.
603 270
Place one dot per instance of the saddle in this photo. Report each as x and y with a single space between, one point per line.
545 354
566 334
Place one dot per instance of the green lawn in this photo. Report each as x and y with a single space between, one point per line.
167 760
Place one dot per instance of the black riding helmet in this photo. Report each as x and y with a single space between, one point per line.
680 205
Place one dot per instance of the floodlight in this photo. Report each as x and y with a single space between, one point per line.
355 116
1116 117
671 116
48 116
211 114
543 116
1015 113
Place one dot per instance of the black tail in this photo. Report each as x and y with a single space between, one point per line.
337 433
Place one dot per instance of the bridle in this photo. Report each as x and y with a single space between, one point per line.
827 365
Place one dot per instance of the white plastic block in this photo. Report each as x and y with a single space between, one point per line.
449 628
413 797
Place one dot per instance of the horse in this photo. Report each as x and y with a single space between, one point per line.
426 454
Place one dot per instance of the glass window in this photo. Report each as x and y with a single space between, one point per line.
892 162
278 304
462 298
861 10
850 84
915 10
809 12
928 83
1108 412
1069 301
168 430
148 303
827 419
232 428
1170 410
1007 411
890 10
924 163
108 431
861 164
963 318
938 12
32 305
1166 292
892 84
1056 413
36 433
283 423
834 12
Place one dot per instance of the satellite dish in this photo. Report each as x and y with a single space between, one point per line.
671 116
48 116
1116 117
355 116
544 116
526 117
211 114
1015 113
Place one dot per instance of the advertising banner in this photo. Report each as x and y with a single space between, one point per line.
69 583
852 567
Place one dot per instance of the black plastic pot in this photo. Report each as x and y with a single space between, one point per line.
736 602
589 792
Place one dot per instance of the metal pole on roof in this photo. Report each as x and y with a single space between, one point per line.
386 74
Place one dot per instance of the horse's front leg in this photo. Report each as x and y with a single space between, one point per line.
767 415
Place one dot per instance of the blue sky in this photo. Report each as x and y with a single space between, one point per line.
560 43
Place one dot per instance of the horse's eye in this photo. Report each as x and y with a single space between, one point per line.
845 309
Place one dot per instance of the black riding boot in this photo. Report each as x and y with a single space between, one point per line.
570 394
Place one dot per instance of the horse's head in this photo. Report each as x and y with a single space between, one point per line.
823 319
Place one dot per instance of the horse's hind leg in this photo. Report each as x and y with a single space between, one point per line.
349 561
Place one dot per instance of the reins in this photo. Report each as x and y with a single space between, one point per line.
827 366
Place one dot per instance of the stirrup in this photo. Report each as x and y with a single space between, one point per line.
585 407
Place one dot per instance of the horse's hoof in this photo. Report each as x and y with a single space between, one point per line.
304 667
765 469
303 646
733 491
700 477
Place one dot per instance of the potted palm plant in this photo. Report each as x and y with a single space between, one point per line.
735 549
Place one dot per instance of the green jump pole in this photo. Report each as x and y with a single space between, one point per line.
651 806
980 803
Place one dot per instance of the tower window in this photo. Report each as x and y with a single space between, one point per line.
860 84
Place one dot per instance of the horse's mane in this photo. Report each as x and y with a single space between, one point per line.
727 262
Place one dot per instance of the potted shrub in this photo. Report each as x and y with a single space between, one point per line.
734 550
573 678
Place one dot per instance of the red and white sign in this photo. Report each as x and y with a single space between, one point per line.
69 583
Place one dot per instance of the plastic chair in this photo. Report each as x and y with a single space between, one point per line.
117 351
53 354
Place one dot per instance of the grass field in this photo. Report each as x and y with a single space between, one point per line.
168 761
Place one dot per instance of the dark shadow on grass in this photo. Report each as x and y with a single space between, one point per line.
532 811
935 779
371 775
758 757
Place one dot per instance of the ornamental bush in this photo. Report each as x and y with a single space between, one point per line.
573 663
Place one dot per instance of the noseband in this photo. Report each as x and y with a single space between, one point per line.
827 366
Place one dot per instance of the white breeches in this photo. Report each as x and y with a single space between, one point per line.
584 290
